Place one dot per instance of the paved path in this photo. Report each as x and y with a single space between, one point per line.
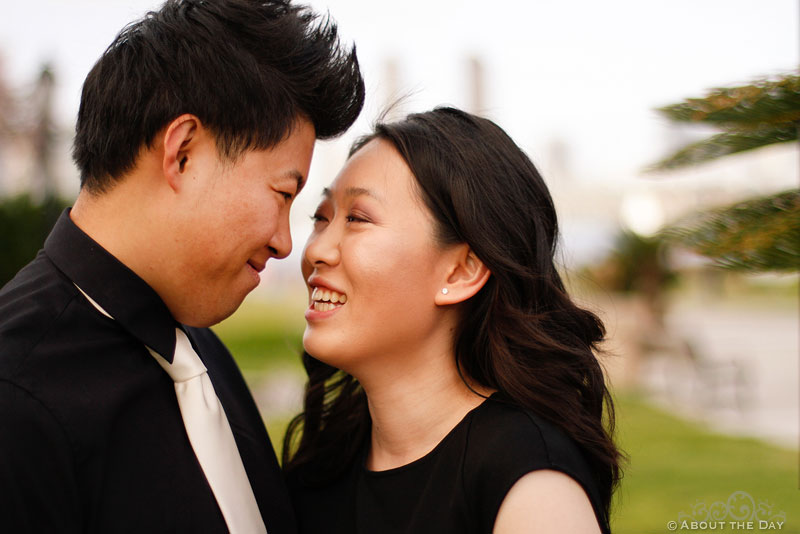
747 378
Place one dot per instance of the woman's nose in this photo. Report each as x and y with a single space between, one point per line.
322 247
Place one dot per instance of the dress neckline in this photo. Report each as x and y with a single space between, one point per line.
428 455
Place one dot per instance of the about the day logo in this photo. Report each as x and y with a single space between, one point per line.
739 512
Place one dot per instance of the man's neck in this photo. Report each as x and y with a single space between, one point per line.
121 222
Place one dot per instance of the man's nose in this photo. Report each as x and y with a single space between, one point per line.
281 243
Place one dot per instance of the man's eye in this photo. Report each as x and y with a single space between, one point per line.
286 196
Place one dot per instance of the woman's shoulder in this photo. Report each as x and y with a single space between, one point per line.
506 442
502 432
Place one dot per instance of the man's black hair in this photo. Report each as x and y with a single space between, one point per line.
246 68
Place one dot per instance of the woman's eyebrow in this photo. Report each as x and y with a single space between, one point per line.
353 192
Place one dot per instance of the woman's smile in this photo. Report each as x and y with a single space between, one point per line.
324 302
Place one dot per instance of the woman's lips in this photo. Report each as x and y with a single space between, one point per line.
324 302
321 311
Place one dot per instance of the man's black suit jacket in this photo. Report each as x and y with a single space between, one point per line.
91 436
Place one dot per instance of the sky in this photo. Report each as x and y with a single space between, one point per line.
584 71
581 75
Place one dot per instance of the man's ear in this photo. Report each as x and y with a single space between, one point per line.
465 278
180 138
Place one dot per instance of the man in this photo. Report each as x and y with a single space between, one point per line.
194 135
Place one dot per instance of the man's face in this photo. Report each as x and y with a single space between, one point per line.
234 217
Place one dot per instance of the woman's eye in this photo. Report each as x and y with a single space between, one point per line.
318 217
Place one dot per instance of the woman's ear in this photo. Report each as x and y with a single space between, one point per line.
466 276
180 139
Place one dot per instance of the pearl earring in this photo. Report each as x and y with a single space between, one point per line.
445 291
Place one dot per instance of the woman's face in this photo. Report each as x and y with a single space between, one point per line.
372 265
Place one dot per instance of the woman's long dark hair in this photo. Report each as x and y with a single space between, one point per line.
520 334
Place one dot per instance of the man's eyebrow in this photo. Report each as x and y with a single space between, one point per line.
297 176
353 192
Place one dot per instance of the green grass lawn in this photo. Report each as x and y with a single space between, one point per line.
675 466
262 336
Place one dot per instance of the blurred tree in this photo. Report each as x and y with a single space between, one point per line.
24 225
638 265
758 234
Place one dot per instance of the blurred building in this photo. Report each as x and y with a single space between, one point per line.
34 148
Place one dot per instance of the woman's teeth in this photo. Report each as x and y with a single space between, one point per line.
326 299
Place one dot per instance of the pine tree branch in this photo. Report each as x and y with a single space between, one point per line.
727 143
745 107
756 235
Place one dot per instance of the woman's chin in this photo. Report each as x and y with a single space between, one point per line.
317 347
327 351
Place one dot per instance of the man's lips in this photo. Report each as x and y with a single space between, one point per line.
257 266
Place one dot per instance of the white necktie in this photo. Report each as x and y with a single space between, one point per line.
210 435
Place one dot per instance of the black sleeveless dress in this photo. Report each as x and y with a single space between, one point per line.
456 488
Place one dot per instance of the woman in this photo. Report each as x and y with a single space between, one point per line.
453 385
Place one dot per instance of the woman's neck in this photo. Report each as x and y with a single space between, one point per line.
413 411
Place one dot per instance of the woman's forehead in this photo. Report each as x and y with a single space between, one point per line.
377 170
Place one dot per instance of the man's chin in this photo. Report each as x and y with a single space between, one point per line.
200 316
